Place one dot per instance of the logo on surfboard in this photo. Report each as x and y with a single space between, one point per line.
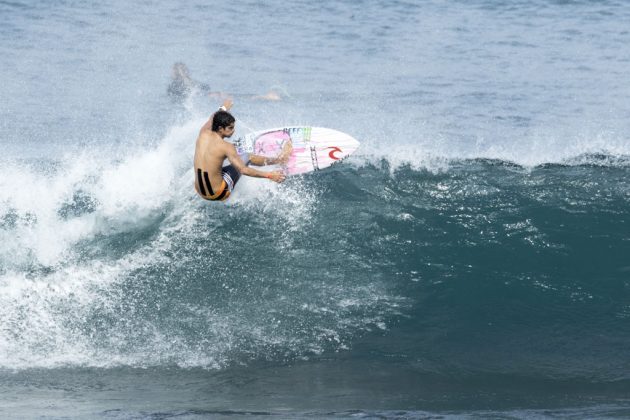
334 150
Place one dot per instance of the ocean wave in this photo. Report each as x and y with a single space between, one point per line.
116 262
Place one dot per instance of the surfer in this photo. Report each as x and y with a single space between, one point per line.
214 181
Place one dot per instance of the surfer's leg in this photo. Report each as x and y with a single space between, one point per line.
231 175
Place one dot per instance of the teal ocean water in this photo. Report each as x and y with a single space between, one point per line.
470 260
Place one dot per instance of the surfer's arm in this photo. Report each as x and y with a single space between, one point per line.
227 105
208 124
258 160
236 161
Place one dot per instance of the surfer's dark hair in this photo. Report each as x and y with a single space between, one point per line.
221 120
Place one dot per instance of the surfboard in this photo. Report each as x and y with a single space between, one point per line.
314 148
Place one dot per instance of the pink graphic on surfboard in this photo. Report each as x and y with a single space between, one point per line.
314 148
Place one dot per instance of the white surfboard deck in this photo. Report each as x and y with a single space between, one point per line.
314 148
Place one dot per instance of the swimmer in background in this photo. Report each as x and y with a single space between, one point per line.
183 86
272 95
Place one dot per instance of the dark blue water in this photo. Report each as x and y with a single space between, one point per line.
471 259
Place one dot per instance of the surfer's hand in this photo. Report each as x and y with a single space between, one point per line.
227 103
283 157
276 176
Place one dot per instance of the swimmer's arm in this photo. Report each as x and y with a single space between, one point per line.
281 159
236 161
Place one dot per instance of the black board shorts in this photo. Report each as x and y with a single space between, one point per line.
230 175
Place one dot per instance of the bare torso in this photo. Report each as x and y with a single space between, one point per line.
210 152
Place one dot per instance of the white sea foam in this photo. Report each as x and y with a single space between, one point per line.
121 193
41 307
50 291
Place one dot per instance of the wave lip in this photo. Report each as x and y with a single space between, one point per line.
421 160
432 150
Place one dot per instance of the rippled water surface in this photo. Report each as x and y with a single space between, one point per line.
469 260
